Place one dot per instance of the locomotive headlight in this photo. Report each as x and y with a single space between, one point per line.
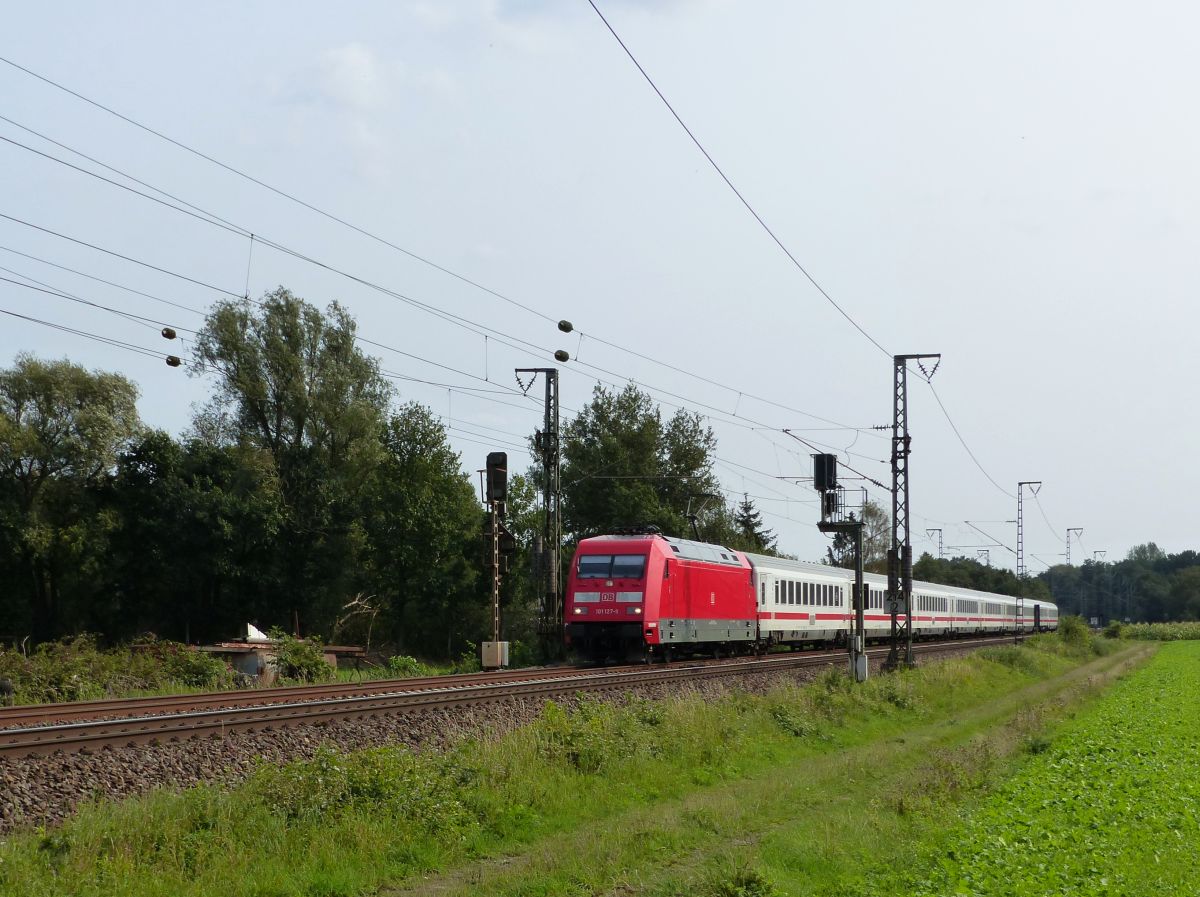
637 610
580 610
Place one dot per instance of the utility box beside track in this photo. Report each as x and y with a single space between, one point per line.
494 655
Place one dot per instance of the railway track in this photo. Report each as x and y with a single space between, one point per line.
93 725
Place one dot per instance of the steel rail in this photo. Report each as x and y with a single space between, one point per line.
28 714
93 735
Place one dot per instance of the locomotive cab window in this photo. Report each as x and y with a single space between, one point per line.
628 566
608 566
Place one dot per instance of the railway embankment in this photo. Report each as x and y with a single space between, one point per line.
675 788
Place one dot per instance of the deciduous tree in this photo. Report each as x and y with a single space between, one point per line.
61 427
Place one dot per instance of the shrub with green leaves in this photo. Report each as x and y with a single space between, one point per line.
76 669
1072 630
404 667
1114 629
392 781
301 660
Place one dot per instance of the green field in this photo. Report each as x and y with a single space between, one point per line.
806 790
1112 807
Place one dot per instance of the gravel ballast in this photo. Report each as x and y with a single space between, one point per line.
43 791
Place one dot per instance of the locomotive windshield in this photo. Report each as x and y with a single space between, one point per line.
612 566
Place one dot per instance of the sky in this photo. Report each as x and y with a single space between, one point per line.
1012 185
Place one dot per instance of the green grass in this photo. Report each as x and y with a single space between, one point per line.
679 796
1110 807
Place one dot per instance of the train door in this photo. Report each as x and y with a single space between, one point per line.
1037 618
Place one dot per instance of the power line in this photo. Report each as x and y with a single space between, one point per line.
53 291
126 258
212 218
120 344
223 223
953 427
745 202
1042 510
223 292
110 283
277 191
742 422
393 375
772 234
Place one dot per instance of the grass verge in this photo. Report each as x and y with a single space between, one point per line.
1110 807
686 795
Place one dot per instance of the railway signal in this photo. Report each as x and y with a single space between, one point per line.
834 519
494 653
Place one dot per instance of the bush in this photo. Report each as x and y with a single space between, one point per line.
1072 630
745 883
302 660
468 661
391 781
596 734
404 667
174 662
75 669
1114 629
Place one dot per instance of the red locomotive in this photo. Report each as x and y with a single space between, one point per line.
642 595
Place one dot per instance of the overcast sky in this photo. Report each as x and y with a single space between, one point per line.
1014 185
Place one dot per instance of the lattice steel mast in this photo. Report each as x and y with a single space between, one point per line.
1034 486
900 555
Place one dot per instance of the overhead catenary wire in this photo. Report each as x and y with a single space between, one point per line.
963 442
499 295
40 287
93 277
507 339
86 334
212 218
392 375
771 233
233 295
228 294
1051 526
729 183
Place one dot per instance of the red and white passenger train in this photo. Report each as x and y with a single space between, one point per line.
647 595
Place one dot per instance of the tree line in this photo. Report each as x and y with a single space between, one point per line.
303 494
